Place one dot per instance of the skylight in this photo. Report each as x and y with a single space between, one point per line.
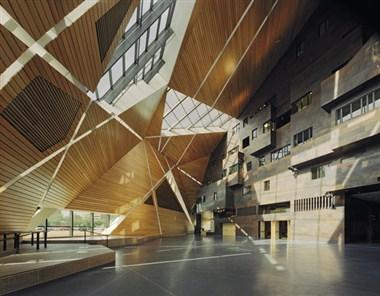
139 55
183 112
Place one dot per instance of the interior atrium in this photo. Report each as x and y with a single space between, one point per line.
189 147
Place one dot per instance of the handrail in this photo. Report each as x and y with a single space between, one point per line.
84 229
18 234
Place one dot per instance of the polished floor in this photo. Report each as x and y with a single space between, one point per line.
212 266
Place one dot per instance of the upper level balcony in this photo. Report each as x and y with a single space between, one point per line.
361 72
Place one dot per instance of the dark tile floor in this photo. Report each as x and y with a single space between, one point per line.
211 266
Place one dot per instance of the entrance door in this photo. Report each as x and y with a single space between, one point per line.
362 219
283 229
267 230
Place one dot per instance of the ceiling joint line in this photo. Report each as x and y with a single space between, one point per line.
244 53
67 148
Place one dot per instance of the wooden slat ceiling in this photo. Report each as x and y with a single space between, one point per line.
126 180
196 168
19 202
194 58
188 188
17 153
88 160
11 48
154 128
142 115
37 16
111 167
77 47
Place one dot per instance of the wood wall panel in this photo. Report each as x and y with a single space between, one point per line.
19 202
11 48
17 153
211 23
88 160
77 47
175 147
140 116
172 222
126 180
202 145
196 168
270 45
188 188
276 35
36 16
154 128
94 116
142 221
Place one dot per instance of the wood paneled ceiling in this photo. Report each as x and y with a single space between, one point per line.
261 38
104 162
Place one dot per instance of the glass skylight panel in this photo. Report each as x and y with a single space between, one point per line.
132 21
171 119
130 57
117 71
164 20
148 65
143 43
104 85
182 112
214 114
142 37
165 124
145 6
188 104
140 74
157 56
153 32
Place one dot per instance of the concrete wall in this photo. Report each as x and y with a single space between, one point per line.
347 163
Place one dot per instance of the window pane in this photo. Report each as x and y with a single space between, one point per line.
117 70
153 32
142 43
130 57
356 108
346 113
145 6
377 98
132 21
164 20
104 85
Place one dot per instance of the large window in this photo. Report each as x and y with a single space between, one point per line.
245 121
183 112
139 54
267 185
254 133
303 136
280 153
358 107
317 172
301 103
64 223
261 161
245 142
268 126
236 129
234 168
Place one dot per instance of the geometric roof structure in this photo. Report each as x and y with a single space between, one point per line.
154 96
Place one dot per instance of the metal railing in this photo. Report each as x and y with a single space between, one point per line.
86 231
16 235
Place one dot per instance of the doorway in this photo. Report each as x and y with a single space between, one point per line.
283 229
362 218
